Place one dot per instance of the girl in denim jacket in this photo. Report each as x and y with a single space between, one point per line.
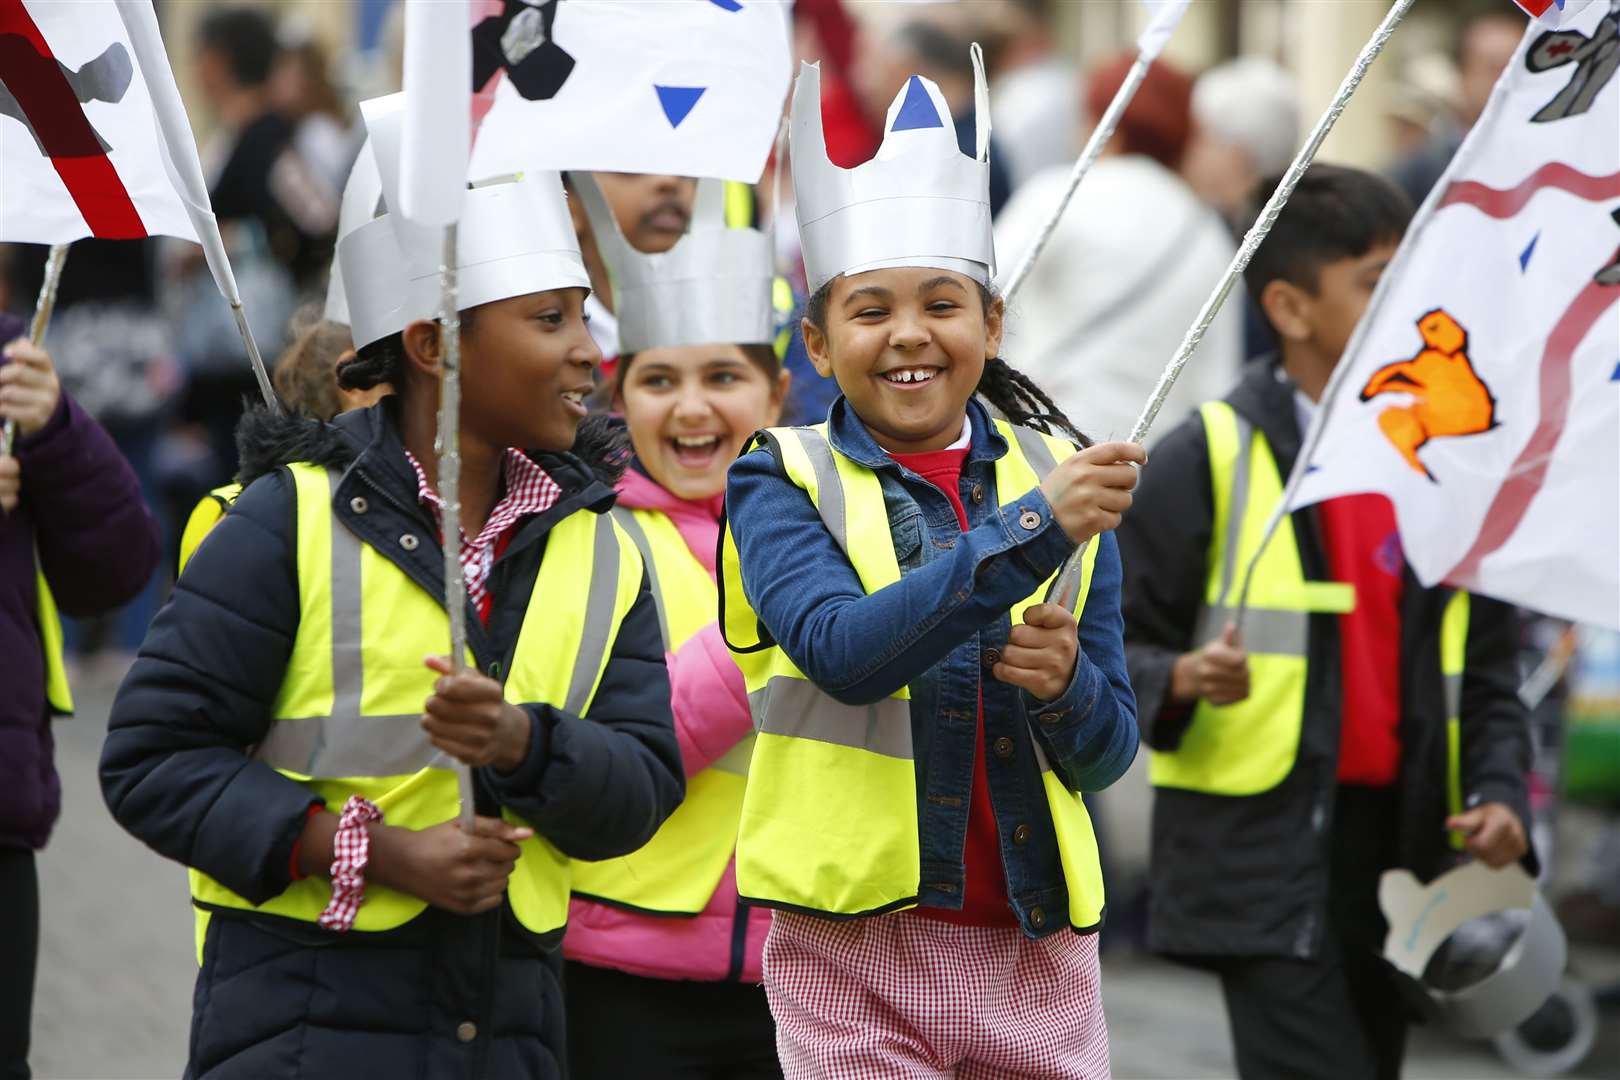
925 722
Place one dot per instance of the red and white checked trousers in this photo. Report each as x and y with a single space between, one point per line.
899 996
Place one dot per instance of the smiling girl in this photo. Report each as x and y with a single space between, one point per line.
926 723
289 727
659 942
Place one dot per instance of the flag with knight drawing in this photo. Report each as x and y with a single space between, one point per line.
1481 392
80 150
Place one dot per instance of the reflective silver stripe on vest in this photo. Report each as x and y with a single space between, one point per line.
1036 452
348 743
638 536
796 708
1265 630
1453 686
593 644
829 485
736 760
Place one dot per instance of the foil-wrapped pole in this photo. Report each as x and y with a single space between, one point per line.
43 306
1253 239
447 447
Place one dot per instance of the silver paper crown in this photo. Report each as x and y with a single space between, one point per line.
712 288
515 237
920 201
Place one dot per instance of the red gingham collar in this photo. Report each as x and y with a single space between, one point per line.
529 490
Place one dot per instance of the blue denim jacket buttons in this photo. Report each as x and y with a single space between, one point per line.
1029 521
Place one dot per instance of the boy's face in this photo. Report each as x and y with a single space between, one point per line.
907 347
526 370
1322 320
652 211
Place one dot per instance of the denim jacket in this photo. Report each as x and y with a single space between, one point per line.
939 630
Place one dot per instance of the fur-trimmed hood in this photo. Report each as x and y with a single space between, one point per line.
266 441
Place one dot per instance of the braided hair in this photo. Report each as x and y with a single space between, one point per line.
1009 390
383 360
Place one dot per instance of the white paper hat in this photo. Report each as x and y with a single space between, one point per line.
920 201
515 237
712 288
362 193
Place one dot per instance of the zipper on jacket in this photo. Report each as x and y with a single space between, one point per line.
739 940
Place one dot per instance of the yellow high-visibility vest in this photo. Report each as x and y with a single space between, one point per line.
677 871
347 716
1453 661
58 695
1250 747
209 511
829 818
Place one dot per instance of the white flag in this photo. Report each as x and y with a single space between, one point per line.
81 153
438 111
682 87
1481 392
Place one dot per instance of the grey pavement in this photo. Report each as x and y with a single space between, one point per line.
117 960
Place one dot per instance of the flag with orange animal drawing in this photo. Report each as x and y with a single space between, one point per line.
1481 391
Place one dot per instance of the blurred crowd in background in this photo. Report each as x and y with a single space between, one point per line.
143 342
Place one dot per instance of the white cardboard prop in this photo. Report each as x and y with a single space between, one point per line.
1422 917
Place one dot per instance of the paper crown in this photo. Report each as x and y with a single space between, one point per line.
919 202
712 288
362 193
514 237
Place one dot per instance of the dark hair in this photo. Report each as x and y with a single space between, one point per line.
934 47
1335 213
246 38
383 361
1477 14
1012 392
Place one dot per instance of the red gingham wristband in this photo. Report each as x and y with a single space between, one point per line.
351 850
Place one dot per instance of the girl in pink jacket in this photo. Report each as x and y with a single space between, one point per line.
663 958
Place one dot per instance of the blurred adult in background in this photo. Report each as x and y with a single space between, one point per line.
920 45
1245 116
74 537
1245 126
1486 39
1131 263
1037 117
278 215
1425 93
303 91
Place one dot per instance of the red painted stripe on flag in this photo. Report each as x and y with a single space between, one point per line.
1505 202
1529 469
29 70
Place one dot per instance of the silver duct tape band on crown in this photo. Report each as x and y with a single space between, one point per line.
798 709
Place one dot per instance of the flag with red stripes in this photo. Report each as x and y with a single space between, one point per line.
1481 391
80 150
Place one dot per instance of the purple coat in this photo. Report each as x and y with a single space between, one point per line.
81 506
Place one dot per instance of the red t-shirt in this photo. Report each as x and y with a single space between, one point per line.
984 892
1364 548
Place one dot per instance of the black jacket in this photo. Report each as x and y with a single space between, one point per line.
1248 876
176 774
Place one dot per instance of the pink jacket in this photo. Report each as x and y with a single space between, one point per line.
710 704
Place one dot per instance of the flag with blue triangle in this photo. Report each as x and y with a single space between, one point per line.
688 89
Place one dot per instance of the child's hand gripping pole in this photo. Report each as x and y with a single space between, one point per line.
43 306
1089 494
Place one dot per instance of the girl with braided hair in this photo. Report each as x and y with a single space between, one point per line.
926 721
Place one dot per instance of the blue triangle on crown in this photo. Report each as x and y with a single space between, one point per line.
678 101
918 110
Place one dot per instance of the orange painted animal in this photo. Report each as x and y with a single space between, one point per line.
1448 397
